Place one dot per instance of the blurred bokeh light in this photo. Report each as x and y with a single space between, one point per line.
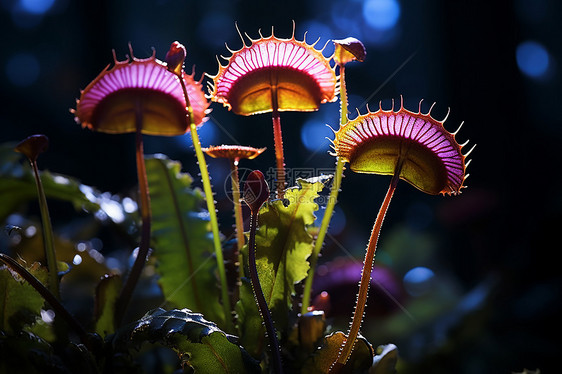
533 59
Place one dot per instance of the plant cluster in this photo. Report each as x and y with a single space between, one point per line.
231 307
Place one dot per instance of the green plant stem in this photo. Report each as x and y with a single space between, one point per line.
278 140
144 246
343 96
209 198
366 274
340 163
214 225
260 298
48 237
238 220
313 259
47 295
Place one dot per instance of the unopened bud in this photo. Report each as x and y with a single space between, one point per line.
256 191
349 49
33 146
175 57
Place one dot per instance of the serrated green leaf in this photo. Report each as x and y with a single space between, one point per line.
182 240
283 245
282 248
17 186
20 304
198 342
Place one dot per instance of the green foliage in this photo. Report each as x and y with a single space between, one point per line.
198 342
21 304
187 256
385 359
360 360
38 354
182 240
283 244
107 292
17 185
250 324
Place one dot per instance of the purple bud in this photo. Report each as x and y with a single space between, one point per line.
349 49
256 191
175 57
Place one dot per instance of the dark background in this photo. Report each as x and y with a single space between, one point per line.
493 302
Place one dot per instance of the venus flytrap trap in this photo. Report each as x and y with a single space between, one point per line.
263 328
407 145
140 96
275 75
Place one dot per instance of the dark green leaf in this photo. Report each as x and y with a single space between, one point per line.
27 353
282 247
311 327
250 324
305 338
17 186
20 303
385 360
198 342
360 361
182 240
107 292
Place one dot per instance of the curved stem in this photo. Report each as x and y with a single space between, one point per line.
47 295
239 221
366 274
260 298
313 259
48 237
209 198
142 254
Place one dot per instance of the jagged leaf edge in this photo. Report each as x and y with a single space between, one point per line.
28 302
182 239
276 218
191 336
246 309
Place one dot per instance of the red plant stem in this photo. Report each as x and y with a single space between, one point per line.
260 298
239 221
47 295
142 254
278 139
366 275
